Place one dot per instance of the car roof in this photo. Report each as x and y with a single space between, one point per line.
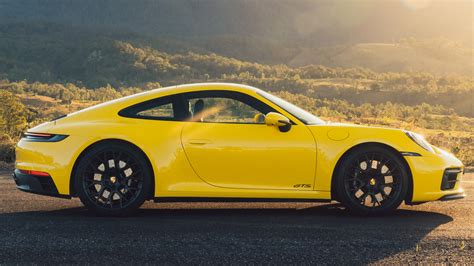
206 86
161 92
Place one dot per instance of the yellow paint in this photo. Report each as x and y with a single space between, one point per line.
338 134
196 159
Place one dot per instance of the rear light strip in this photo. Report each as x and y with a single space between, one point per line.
43 137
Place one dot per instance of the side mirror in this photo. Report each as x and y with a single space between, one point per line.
278 120
259 118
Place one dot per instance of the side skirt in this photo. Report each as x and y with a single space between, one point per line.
223 199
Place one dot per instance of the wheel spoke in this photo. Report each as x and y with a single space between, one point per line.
390 185
363 196
93 183
134 176
117 160
384 194
94 168
121 197
353 179
91 172
375 200
100 192
109 199
392 171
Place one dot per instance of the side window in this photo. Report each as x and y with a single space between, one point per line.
226 107
160 111
165 108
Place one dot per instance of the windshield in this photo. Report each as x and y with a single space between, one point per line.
303 115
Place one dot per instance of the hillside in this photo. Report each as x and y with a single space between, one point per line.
369 34
52 54
319 23
435 56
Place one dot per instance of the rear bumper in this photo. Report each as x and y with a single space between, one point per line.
42 185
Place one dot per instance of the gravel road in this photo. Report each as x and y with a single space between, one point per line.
39 229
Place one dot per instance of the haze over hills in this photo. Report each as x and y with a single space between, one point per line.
368 34
314 22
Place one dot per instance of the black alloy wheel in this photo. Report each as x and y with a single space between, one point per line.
372 180
113 179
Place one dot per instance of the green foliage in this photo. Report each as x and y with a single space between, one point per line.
48 53
12 115
7 150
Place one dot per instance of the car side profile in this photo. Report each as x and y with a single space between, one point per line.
227 142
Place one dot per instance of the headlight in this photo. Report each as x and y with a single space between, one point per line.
420 140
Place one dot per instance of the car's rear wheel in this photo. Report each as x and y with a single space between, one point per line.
113 179
372 180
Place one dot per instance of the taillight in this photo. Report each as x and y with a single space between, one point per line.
32 172
43 137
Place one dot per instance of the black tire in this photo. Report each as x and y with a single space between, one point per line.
372 172
113 179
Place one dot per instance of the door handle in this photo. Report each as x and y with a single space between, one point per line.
199 141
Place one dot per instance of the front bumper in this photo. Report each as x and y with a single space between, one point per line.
42 185
453 197
436 177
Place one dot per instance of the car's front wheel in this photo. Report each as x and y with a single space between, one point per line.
113 179
372 180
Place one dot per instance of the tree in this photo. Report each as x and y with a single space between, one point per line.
375 87
12 115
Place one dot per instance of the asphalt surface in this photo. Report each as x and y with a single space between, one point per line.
39 229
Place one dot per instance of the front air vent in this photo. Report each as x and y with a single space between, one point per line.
450 177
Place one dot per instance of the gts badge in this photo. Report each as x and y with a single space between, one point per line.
302 186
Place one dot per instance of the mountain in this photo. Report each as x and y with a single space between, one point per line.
370 34
313 22
435 56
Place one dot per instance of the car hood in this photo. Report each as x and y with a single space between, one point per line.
353 134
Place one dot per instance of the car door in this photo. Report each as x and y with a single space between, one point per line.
228 144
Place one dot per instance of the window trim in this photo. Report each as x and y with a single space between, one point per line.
179 101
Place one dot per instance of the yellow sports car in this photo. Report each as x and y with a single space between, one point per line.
227 142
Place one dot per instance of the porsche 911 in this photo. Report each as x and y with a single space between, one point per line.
227 142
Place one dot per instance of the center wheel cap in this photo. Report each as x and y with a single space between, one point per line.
113 179
372 182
